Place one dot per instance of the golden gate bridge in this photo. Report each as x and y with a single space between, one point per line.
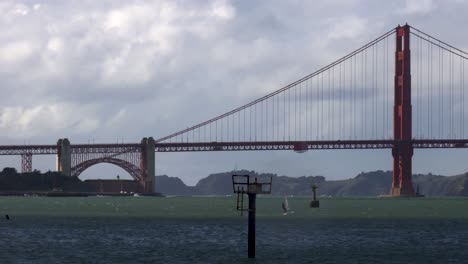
391 93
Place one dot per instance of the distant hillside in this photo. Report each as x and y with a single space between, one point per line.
173 186
365 184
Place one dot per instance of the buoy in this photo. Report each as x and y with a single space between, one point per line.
314 203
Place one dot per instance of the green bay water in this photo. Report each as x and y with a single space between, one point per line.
210 230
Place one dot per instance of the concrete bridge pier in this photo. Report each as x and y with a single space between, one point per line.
64 157
147 165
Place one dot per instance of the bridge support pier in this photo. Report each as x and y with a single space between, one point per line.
64 157
402 170
147 165
402 131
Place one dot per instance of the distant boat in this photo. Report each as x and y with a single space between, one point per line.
136 195
285 206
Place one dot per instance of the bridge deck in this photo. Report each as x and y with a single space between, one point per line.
234 146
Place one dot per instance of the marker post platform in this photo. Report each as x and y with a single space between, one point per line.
242 185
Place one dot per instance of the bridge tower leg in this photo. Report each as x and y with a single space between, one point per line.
147 165
64 157
403 150
26 162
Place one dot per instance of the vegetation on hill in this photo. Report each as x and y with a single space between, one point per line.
11 180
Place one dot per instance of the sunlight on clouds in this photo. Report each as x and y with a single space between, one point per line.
15 52
223 10
347 27
418 6
117 19
19 122
20 9
150 33
55 45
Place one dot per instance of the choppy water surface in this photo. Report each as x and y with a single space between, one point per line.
209 230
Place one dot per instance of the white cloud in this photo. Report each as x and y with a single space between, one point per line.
349 27
26 122
55 45
15 52
20 10
223 10
418 7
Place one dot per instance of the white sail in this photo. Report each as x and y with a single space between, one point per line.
285 206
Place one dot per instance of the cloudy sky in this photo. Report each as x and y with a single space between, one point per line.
112 71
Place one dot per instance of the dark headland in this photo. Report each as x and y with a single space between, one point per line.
371 184
54 184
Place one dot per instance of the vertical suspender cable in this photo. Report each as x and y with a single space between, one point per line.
351 65
255 122
322 112
461 99
431 94
239 126
376 90
442 94
295 112
285 121
363 100
451 94
333 103
373 92
278 118
428 91
340 92
307 111
317 121
376 87
271 123
384 125
244 137
343 114
289 114
354 97
387 92
300 111
386 88
301 105
365 96
421 104
311 106
440 121
267 121
329 104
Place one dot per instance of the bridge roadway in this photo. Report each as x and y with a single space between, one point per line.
233 146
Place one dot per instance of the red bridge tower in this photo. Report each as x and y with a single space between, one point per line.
403 150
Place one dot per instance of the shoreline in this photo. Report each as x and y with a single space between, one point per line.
72 194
